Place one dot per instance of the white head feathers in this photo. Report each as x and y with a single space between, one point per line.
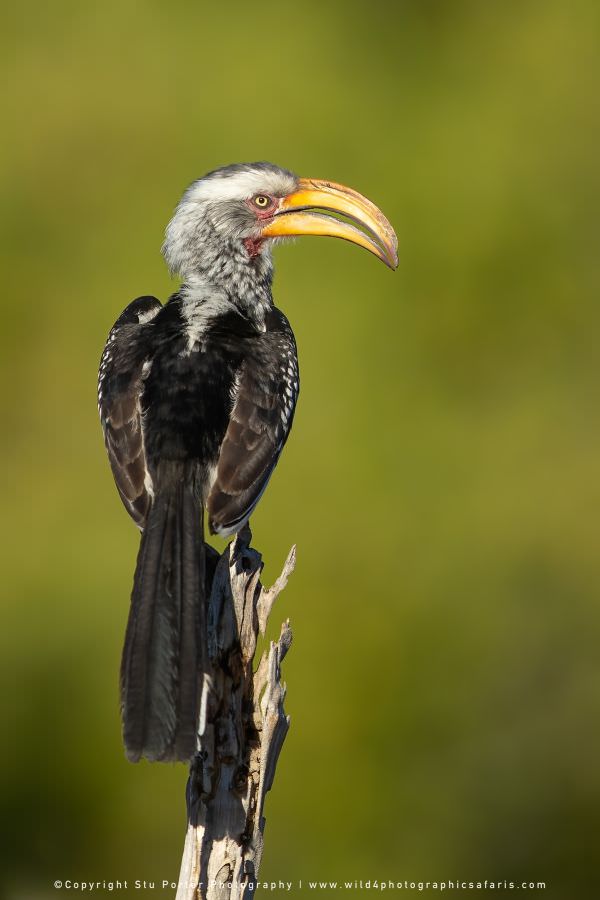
213 210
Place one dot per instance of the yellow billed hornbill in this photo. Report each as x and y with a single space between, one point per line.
196 400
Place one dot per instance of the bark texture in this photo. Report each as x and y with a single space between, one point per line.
242 728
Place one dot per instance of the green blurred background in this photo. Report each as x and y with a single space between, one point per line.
442 481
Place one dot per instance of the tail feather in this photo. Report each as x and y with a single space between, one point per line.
163 656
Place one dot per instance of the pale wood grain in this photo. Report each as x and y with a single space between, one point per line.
242 729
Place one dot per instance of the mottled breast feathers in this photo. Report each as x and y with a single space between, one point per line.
256 391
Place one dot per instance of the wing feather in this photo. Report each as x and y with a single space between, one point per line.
260 421
124 363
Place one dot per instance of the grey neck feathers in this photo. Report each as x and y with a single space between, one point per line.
219 273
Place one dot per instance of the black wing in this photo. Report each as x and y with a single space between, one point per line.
265 397
120 382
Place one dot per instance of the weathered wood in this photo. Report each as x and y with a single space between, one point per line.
242 729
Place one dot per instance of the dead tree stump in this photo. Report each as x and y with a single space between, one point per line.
241 730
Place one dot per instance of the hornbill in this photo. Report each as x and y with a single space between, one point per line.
196 400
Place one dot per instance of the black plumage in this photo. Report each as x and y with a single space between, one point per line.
191 419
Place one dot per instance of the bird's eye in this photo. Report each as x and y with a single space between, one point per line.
262 201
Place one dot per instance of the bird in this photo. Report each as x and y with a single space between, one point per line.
196 400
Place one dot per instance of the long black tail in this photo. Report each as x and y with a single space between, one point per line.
163 656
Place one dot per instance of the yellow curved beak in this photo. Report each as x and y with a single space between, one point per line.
295 216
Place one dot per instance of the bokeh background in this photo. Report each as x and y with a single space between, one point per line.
442 481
